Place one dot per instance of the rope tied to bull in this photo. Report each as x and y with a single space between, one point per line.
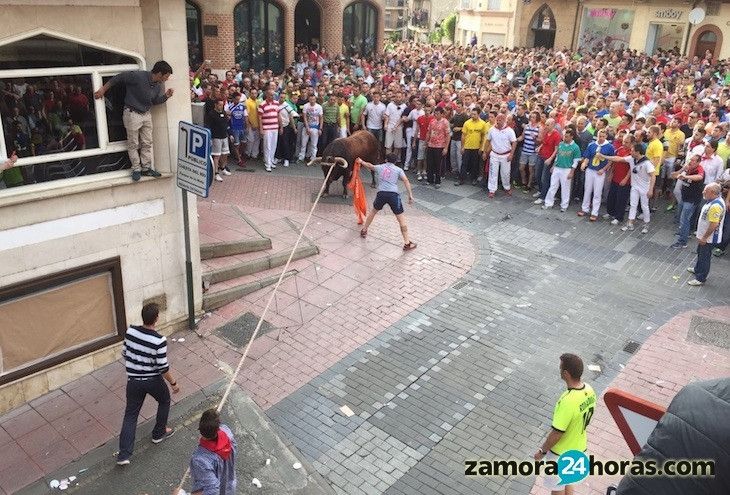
232 381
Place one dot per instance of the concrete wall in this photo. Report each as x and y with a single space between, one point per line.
151 250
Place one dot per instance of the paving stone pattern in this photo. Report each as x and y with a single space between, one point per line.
473 372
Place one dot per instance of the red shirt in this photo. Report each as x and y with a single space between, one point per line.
269 115
440 130
549 143
621 169
423 122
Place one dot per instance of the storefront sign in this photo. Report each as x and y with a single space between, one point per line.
668 14
603 13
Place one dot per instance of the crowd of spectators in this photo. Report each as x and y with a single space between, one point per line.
646 129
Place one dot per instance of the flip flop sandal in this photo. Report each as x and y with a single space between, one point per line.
363 233
409 246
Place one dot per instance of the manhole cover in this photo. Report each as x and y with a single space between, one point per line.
631 347
335 197
239 331
709 332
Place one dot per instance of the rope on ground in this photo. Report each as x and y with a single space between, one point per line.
266 309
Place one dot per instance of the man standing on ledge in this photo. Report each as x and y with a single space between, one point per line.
573 413
145 357
143 89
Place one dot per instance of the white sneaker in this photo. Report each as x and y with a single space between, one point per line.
614 222
286 163
218 177
277 160
225 172
536 195
627 227
606 216
268 169
691 269
563 210
641 216
695 283
538 201
645 230
273 165
545 207
405 168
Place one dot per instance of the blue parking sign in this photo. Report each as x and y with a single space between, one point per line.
193 171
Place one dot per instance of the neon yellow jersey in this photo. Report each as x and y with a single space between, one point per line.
573 413
674 140
655 152
343 111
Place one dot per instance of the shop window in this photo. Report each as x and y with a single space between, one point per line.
83 310
360 28
258 27
50 118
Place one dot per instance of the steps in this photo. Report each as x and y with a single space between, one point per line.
250 260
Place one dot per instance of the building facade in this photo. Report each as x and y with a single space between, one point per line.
84 247
264 33
644 25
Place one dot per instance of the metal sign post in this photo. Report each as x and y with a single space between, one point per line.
193 175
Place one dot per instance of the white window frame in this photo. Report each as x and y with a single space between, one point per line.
96 72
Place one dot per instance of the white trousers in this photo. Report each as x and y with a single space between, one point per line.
593 191
271 137
634 199
498 165
311 137
343 132
559 179
253 142
409 142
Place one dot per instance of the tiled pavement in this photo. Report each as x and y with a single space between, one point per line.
437 364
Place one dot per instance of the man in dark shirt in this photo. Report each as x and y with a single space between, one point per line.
457 122
143 89
218 124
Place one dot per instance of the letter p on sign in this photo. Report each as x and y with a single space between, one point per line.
197 144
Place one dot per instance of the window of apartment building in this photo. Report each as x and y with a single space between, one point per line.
50 118
194 24
494 4
258 27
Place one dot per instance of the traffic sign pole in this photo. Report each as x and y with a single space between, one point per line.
188 262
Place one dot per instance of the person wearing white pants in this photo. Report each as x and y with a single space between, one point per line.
566 161
270 126
253 142
313 119
595 175
642 184
502 143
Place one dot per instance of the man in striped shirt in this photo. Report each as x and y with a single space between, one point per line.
270 127
528 157
145 357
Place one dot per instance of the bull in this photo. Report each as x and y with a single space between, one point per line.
344 152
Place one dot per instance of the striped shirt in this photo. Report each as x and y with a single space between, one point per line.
530 133
144 352
269 114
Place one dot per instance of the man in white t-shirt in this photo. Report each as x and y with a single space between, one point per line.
312 127
711 163
501 142
642 184
393 125
372 117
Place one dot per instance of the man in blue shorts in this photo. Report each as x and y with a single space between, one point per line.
237 110
388 176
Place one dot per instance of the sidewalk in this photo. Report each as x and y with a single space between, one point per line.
353 290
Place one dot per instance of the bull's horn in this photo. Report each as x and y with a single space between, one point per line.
343 163
314 161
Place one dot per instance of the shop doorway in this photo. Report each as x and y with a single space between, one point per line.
542 29
307 23
707 41
664 37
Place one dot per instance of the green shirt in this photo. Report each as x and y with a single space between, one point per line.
330 112
573 413
566 155
358 105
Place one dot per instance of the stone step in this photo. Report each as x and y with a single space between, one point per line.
216 298
255 265
226 231
221 249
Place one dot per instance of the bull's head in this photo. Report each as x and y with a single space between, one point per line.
329 161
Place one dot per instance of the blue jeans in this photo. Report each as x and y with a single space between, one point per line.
544 176
685 221
137 390
704 257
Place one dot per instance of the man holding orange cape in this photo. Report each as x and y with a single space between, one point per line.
388 176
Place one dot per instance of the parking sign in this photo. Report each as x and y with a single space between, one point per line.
193 155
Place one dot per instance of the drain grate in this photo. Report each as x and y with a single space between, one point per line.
459 285
239 331
631 346
709 332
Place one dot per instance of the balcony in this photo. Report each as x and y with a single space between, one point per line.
420 19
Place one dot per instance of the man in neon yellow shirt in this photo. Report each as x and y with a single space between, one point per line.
675 140
655 154
572 414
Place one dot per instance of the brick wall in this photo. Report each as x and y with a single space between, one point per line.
219 49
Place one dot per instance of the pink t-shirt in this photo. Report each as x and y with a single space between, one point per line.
439 130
